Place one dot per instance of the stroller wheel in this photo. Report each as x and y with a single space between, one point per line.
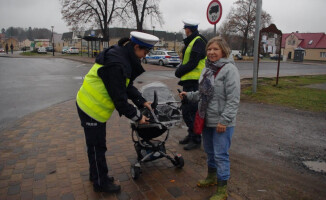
135 172
179 162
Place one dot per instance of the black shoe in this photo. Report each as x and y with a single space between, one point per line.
185 140
110 179
108 188
191 146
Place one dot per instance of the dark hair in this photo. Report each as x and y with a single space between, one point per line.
124 41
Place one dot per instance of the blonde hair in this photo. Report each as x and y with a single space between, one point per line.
222 44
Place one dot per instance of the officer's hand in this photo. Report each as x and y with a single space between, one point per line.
182 95
143 120
147 104
220 128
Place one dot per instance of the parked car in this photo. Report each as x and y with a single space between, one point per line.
49 49
275 57
2 50
238 57
41 50
162 57
64 49
72 50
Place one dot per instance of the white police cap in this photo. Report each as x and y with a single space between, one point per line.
143 39
190 23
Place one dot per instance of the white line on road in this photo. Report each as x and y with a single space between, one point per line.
80 65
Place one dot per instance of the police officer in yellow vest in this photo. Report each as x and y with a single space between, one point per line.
108 86
189 71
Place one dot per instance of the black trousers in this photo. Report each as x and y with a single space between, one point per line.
189 110
95 135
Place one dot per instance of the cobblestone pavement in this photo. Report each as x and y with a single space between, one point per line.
43 156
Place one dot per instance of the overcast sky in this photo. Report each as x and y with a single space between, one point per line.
288 15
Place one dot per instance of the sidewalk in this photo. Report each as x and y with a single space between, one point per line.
43 156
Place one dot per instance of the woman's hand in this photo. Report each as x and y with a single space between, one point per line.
147 104
182 94
143 120
220 128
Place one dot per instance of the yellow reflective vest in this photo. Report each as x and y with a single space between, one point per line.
93 98
195 73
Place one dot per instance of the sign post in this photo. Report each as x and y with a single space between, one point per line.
214 13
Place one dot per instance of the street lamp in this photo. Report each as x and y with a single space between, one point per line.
153 29
52 41
175 38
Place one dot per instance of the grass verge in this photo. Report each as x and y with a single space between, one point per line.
290 91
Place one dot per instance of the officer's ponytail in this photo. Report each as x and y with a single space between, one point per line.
122 41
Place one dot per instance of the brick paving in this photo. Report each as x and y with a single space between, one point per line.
43 156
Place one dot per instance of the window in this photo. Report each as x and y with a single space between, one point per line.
323 54
310 42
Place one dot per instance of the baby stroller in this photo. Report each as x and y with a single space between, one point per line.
164 115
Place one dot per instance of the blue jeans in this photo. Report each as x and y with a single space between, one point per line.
217 147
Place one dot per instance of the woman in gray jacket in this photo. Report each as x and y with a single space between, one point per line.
219 97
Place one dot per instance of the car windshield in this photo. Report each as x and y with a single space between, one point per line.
172 53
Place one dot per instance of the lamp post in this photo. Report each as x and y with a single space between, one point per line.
52 41
153 29
175 38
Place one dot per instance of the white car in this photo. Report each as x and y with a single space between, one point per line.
41 50
72 50
162 57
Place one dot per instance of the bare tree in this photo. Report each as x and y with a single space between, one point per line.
80 12
142 9
241 20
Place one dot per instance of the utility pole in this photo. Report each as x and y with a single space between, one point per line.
175 38
256 44
52 41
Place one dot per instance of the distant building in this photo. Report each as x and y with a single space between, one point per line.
82 39
25 43
9 41
314 45
40 43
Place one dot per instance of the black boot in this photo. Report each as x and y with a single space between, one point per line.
107 187
185 140
191 145
109 178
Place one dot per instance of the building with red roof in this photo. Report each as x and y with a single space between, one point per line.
314 45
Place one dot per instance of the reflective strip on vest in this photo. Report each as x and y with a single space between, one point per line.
195 73
93 97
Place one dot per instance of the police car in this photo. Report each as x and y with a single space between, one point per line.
162 57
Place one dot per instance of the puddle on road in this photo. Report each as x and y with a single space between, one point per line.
318 166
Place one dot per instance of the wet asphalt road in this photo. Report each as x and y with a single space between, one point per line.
28 85
31 84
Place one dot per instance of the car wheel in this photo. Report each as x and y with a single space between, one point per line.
144 61
161 63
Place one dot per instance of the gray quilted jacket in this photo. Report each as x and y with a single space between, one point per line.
223 107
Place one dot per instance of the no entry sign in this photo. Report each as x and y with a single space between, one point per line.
214 12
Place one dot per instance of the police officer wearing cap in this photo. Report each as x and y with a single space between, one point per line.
189 71
109 85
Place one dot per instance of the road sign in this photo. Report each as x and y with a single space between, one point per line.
214 12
